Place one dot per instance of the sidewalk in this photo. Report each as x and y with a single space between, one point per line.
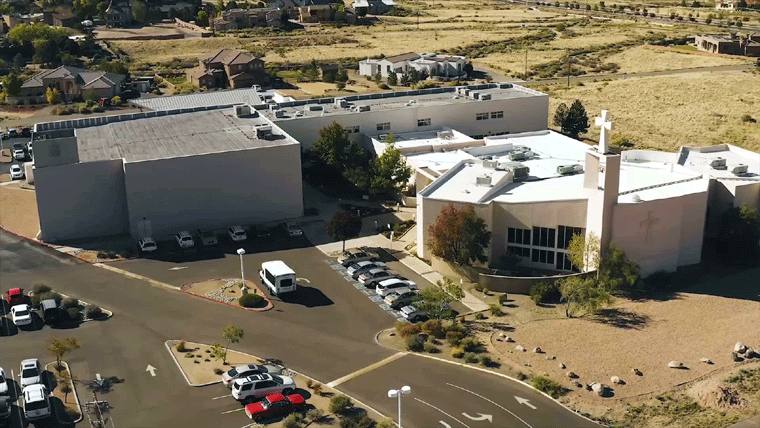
749 423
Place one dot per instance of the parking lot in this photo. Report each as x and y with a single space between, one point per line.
8 144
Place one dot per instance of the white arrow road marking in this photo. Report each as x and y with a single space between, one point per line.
445 425
482 417
178 268
152 370
233 411
525 401
303 280
436 408
492 402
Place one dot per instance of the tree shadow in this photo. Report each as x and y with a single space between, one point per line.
61 418
621 318
105 385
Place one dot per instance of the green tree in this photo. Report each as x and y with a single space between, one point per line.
30 32
139 11
60 347
12 84
404 79
584 254
45 51
335 149
572 121
436 301
616 271
414 76
582 293
739 234
219 352
101 8
392 79
344 225
202 19
219 6
459 235
53 95
231 334
19 62
378 77
342 75
117 67
390 171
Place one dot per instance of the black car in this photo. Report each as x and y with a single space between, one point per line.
26 132
13 133
53 314
129 94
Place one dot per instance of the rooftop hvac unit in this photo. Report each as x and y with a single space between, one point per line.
491 164
361 108
383 137
279 113
475 94
264 132
483 180
739 169
274 107
718 163
242 110
445 135
505 85
518 156
569 169
341 103
484 97
315 107
519 169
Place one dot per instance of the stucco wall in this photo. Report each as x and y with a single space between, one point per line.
215 190
522 114
429 211
81 200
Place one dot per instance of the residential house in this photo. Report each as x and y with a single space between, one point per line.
118 15
730 44
291 6
442 66
71 82
373 7
229 68
63 17
727 4
14 19
235 19
315 14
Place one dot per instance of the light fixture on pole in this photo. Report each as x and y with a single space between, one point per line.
393 393
243 289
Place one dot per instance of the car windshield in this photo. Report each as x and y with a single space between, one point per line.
36 405
232 373
278 379
265 403
239 233
207 234
149 245
29 373
22 313
187 238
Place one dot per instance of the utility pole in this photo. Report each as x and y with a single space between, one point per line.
568 68
526 64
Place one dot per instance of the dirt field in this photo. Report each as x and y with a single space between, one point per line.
18 210
641 59
156 30
667 112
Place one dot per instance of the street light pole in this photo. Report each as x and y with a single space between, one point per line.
394 393
243 289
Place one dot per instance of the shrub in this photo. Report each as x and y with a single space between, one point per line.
383 86
544 292
317 388
218 371
93 312
251 300
409 330
480 316
37 298
521 376
70 302
434 328
548 386
454 337
430 348
97 109
292 421
116 101
486 360
503 299
75 314
83 109
496 310
309 383
478 287
189 355
40 288
748 119
415 343
102 255
486 291
314 415
89 103
386 423
340 404
470 357
357 421
471 344
457 353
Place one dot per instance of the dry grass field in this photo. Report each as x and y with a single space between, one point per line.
667 112
643 59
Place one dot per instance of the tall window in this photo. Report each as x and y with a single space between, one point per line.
497 114
383 126
352 129
543 237
481 116
518 236
565 234
423 122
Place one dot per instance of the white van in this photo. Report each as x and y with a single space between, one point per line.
36 402
278 277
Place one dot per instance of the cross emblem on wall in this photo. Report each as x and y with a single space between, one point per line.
648 222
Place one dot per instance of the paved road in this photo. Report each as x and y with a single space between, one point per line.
327 341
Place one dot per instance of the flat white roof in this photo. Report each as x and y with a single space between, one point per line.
699 159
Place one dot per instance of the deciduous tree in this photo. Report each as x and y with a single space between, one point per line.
231 334
53 95
60 347
436 301
344 225
219 352
582 293
12 84
459 235
334 148
390 171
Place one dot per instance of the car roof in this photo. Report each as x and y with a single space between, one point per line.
378 270
275 397
401 291
354 251
20 306
30 361
255 378
408 309
183 233
14 291
147 239
34 392
391 281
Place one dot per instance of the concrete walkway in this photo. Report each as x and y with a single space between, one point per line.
749 423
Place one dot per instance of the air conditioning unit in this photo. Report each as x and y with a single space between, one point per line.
242 110
264 132
491 164
518 169
569 169
279 113
475 94
518 156
315 107
739 169
341 103
445 135
362 108
484 97
483 180
718 163
383 137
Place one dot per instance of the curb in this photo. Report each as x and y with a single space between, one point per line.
44 244
269 305
168 345
493 373
136 276
76 396
109 313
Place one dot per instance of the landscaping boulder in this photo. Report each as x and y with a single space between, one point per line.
616 380
637 372
751 353
508 339
537 350
706 360
675 365
600 389
520 348
562 365
551 357
571 375
578 384
740 347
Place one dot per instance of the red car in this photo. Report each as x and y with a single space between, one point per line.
274 405
16 297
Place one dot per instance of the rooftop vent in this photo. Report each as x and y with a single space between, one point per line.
445 135
475 94
519 170
492 164
341 103
361 108
718 163
521 155
242 110
279 113
264 132
569 169
483 180
739 169
484 97
315 107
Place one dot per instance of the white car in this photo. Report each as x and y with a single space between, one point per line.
259 386
293 229
373 276
3 382
36 402
236 233
19 154
29 146
359 268
21 314
184 240
240 372
17 173
401 297
388 286
147 245
30 372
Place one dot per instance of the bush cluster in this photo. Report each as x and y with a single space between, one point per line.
544 292
470 357
503 299
457 353
37 298
471 344
181 346
70 302
40 288
434 328
406 330
496 310
415 343
340 404
548 386
93 312
454 337
251 300
431 348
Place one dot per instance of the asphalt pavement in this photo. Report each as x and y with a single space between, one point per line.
327 334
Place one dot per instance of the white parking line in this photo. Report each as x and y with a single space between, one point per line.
492 402
222 396
18 395
233 411
436 408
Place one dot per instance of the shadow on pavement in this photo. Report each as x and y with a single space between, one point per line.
307 296
7 328
60 418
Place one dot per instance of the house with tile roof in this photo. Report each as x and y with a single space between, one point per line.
71 82
435 65
229 68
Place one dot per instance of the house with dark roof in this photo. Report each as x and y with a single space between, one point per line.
62 17
374 7
118 15
71 82
229 68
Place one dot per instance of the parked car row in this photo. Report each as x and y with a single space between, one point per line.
34 394
22 313
264 390
16 133
185 240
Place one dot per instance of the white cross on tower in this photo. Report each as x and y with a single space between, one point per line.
605 125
